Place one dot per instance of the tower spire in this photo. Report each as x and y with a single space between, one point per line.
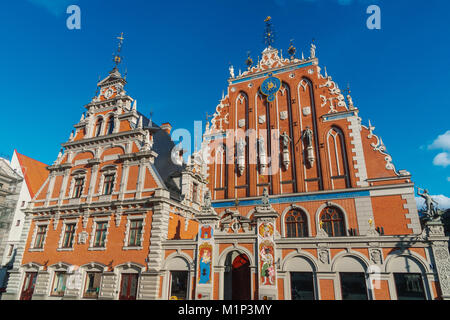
269 37
117 58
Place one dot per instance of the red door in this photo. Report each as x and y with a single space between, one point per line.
240 276
128 286
28 286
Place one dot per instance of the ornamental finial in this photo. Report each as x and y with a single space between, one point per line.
117 58
269 37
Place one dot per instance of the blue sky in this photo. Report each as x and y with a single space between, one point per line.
177 55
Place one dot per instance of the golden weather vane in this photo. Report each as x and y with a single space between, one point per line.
117 57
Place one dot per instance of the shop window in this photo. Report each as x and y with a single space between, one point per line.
409 286
302 286
353 286
179 285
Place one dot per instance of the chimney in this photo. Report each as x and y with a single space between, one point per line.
166 127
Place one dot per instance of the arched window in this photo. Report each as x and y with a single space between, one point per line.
332 221
98 127
296 224
110 125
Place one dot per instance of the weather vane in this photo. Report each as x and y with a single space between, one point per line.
269 37
117 57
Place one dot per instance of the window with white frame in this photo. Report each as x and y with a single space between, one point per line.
134 238
101 228
108 184
78 187
40 236
69 235
92 286
59 284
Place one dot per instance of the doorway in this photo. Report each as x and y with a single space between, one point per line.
128 287
237 277
28 286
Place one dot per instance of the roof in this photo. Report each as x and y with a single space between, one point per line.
34 172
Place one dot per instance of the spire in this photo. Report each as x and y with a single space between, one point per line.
292 49
134 105
269 37
117 58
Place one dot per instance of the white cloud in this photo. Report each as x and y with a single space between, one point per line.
442 159
443 201
56 7
441 142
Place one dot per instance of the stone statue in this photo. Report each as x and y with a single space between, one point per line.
286 140
313 50
240 146
207 199
261 146
431 211
231 68
265 197
307 136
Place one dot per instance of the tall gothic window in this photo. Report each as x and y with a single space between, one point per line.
332 221
337 159
98 128
296 224
110 125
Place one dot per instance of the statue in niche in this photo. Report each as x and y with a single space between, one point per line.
207 199
286 140
262 153
265 197
241 155
307 138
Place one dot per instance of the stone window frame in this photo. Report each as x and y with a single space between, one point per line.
90 268
107 170
94 228
63 231
131 217
33 239
54 269
344 217
77 174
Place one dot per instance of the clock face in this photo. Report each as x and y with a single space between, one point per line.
109 92
270 87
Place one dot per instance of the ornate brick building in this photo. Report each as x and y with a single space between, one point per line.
290 197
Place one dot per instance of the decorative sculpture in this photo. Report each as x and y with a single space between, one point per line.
307 138
262 154
285 145
241 155
231 68
313 50
265 197
432 213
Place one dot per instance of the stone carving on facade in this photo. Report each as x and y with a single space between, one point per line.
285 149
376 256
241 123
83 237
324 256
231 69
262 154
307 138
283 115
241 155
261 119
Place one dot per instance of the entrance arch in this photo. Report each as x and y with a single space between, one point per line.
237 277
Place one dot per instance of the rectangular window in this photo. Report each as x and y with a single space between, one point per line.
59 284
194 192
40 236
92 287
302 286
409 286
353 285
109 183
11 250
135 233
69 235
100 234
179 284
79 182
